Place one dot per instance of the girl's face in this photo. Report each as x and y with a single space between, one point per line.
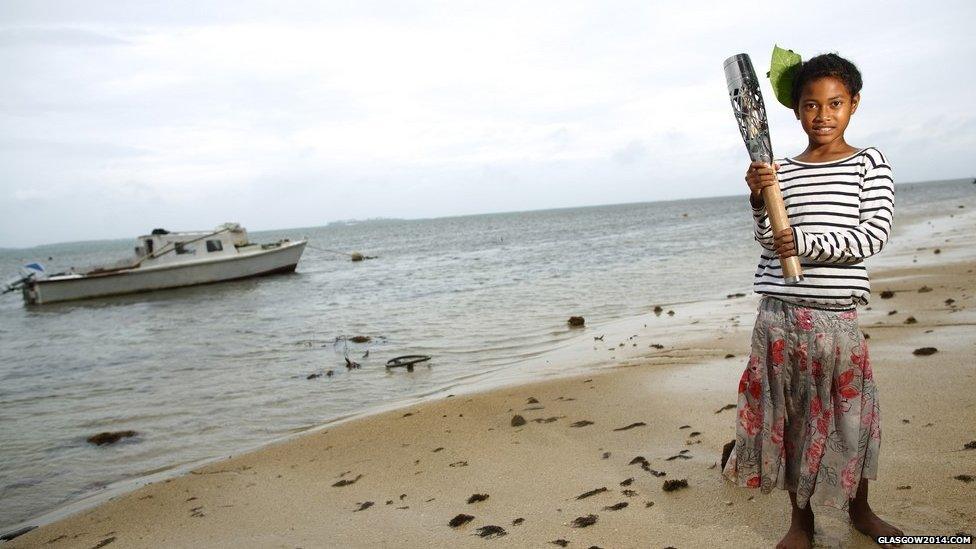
825 109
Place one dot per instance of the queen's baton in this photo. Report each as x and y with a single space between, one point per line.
750 113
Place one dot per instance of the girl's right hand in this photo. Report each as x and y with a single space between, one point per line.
759 176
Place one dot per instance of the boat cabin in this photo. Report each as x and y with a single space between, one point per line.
163 247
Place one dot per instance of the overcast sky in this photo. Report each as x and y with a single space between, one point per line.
117 117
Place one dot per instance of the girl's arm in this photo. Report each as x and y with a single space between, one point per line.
852 245
762 230
759 175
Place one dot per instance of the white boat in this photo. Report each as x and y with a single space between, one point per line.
166 259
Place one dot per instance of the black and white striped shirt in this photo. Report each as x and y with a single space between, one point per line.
841 213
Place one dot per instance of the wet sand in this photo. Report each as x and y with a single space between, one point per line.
585 468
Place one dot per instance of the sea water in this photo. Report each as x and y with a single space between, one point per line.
212 370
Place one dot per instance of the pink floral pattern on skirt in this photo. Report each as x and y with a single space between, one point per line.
808 418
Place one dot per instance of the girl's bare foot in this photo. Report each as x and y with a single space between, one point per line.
800 534
868 523
871 525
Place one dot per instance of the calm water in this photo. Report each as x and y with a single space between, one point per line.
207 371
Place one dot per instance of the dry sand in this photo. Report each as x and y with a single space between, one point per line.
410 471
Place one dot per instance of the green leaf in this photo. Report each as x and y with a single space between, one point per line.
781 70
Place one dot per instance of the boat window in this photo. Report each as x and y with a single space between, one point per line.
181 248
214 246
149 246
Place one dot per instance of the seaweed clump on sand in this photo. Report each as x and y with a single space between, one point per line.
674 484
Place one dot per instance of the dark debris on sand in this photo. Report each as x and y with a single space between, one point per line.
640 460
491 531
925 351
460 519
631 426
887 294
518 421
583 522
582 423
964 478
592 493
970 445
674 484
347 482
363 506
559 542
724 408
616 506
475 498
518 521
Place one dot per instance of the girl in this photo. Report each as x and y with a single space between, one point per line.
808 417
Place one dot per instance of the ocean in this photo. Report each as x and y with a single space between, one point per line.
209 371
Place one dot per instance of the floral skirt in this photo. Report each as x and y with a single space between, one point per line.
808 418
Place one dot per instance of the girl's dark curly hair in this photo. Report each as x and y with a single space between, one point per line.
828 64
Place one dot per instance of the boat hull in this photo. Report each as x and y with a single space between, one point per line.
281 259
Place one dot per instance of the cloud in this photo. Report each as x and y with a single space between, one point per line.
71 37
304 112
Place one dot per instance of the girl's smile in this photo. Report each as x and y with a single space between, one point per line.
824 110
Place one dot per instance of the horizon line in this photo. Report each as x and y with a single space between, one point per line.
354 220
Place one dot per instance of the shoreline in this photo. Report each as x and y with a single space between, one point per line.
573 455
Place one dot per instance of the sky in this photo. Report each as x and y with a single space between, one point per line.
118 117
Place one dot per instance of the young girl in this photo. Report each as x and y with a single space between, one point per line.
808 417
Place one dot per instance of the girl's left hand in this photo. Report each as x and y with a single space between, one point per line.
783 241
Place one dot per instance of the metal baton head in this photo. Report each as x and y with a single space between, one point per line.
748 107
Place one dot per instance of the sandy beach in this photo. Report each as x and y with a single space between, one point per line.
398 478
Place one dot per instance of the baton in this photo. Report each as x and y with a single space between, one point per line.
750 113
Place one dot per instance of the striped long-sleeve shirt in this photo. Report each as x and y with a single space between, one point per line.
841 213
